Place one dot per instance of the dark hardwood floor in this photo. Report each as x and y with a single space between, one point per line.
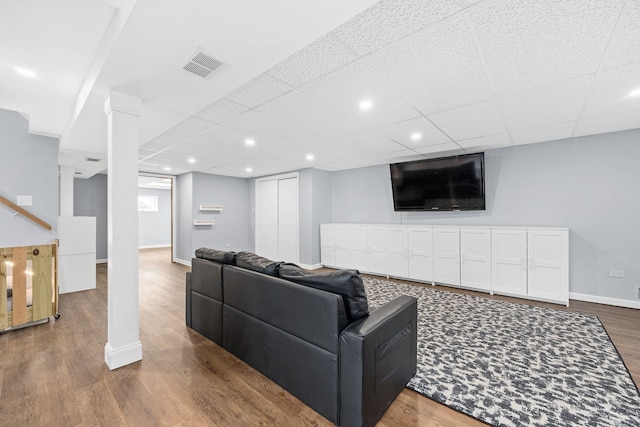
54 374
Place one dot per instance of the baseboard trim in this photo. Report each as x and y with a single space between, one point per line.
605 300
116 358
102 261
183 262
311 266
166 245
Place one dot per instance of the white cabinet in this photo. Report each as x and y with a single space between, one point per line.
475 258
327 249
532 263
446 255
377 249
342 236
398 252
420 253
527 262
548 265
509 261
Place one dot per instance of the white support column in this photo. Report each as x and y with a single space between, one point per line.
123 346
66 190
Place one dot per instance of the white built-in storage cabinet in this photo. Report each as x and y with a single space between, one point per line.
526 262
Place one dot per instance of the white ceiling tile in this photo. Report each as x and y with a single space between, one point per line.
220 111
172 137
369 142
527 43
156 146
623 47
485 142
612 123
396 157
258 90
435 69
309 113
544 133
471 121
402 133
390 20
552 103
344 89
446 149
610 91
339 166
320 57
261 125
192 126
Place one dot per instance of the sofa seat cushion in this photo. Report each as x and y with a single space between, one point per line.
347 283
254 262
217 256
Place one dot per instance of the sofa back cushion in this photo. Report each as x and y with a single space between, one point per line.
347 283
309 314
217 256
254 262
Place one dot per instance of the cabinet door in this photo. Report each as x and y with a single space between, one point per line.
421 254
548 265
327 249
377 249
446 255
342 236
359 248
475 258
398 246
509 261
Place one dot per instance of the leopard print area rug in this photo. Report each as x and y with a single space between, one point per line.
512 364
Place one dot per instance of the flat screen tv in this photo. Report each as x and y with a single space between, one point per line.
443 184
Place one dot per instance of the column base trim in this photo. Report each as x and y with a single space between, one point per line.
117 358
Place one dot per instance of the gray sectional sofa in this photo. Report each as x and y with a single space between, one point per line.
315 338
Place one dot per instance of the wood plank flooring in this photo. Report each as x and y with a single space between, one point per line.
54 374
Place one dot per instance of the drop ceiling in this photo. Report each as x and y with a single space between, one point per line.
445 77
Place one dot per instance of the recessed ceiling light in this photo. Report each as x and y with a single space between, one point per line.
635 92
248 169
26 72
310 157
250 142
416 136
366 104
191 160
167 168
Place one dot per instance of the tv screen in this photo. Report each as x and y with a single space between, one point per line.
444 184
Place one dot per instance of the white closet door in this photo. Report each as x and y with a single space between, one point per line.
287 220
267 219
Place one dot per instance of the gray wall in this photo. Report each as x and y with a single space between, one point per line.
90 199
231 231
29 166
154 228
588 184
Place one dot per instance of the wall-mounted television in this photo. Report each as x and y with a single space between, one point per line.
444 184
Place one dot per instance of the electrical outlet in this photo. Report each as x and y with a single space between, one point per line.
638 292
616 273
227 245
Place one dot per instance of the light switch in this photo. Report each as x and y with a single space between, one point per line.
24 201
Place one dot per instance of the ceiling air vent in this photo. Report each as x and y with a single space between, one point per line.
201 63
92 159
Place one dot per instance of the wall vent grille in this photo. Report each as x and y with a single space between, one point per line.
201 63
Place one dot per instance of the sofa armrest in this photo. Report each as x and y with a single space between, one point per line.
188 299
378 357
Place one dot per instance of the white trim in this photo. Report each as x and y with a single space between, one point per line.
310 266
116 358
102 261
183 262
605 300
164 245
